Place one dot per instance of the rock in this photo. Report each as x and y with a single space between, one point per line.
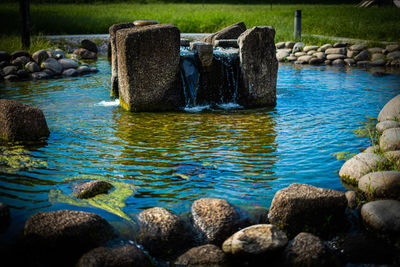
390 140
206 255
226 43
19 53
351 197
307 250
291 58
384 184
330 51
349 61
310 47
375 50
53 65
89 45
19 62
204 51
40 75
162 233
93 70
145 22
32 67
389 112
185 42
4 64
362 56
85 54
148 68
375 57
67 63
352 53
70 73
290 45
302 207
311 52
335 56
304 59
279 45
56 54
114 58
92 189
340 44
10 70
327 62
83 70
382 216
230 32
259 68
393 157
320 55
300 62
338 62
11 78
4 216
40 56
298 47
392 48
378 63
23 74
4 56
358 47
363 63
255 240
324 47
359 165
384 125
21 122
393 55
126 255
299 54
214 218
315 61
372 149
282 55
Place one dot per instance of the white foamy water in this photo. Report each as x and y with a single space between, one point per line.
229 106
196 108
109 103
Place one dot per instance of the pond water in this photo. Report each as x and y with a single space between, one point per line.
170 159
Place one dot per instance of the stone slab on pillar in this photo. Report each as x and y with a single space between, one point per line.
259 67
148 68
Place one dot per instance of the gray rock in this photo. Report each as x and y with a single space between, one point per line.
282 55
290 45
311 52
83 53
324 47
302 207
351 197
23 75
215 219
93 70
40 56
291 58
340 44
315 61
53 65
307 250
304 59
230 32
56 54
4 56
32 67
390 140
20 61
335 56
375 50
338 62
10 70
299 54
375 57
372 149
382 216
259 67
186 42
320 55
279 45
204 51
126 255
364 63
40 75
83 70
327 62
298 47
392 48
4 64
21 122
92 189
226 43
359 165
300 62
310 47
4 216
89 45
48 72
19 53
384 125
358 47
255 240
349 61
335 51
70 73
352 53
206 255
385 184
67 63
362 56
11 78
378 63
393 55
162 233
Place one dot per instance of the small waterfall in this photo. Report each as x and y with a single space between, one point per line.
216 85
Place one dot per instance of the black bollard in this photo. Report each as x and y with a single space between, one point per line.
297 25
25 23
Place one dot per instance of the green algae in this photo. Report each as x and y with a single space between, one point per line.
15 158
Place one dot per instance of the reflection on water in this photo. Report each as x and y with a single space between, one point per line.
170 159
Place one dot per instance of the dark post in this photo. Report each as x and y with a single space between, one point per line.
25 23
297 25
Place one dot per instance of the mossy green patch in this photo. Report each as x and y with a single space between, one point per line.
15 158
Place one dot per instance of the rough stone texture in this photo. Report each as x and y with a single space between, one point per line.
70 73
390 140
206 255
302 207
377 56
330 51
20 122
338 62
391 110
307 250
359 165
214 218
67 63
384 125
351 197
58 231
393 55
335 56
230 32
204 52
324 47
40 56
53 65
40 75
19 53
4 56
4 216
382 216
259 67
304 58
32 67
89 45
148 68
358 47
11 78
20 61
92 188
393 47
126 255
362 56
162 233
289 45
315 61
279 45
254 240
393 156
349 61
85 54
310 47
385 184
10 70
83 70
225 43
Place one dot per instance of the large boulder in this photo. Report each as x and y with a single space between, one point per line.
53 65
162 233
127 255
255 240
382 216
214 218
259 67
92 189
20 122
204 52
89 45
148 68
85 54
114 58
384 184
206 255
302 207
359 165
391 111
390 140
230 32
40 56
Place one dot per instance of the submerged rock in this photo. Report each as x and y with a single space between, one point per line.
390 140
384 184
92 188
382 216
206 255
230 32
391 111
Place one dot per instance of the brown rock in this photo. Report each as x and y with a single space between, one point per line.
92 188
230 32
207 255
85 54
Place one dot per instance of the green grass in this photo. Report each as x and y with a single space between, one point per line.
377 24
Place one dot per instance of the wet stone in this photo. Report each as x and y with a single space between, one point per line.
83 70
185 42
67 63
11 78
206 255
338 62
70 73
349 61
89 45
204 51
32 67
315 61
92 188
85 54
53 65
40 75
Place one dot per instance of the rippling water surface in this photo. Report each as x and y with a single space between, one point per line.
171 159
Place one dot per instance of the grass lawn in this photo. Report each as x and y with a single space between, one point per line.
378 24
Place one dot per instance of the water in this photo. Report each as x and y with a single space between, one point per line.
171 159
